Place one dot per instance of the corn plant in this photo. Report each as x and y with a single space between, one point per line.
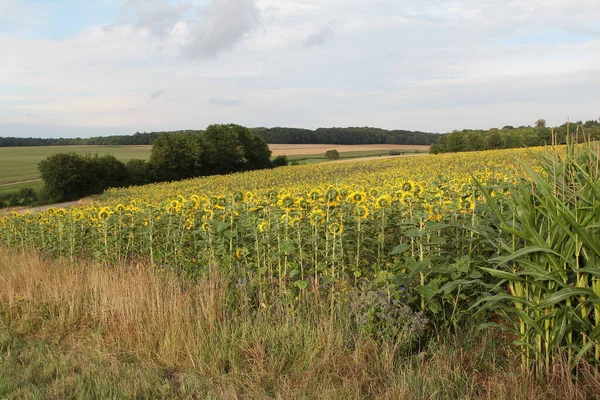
549 258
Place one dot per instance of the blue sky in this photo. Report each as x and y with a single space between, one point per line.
79 68
57 19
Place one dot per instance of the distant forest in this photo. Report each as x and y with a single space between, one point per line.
510 137
270 135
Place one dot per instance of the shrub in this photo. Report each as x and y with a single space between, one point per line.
386 318
70 176
280 161
332 154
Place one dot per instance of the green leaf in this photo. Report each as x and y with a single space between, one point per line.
301 284
401 248
523 252
427 291
564 294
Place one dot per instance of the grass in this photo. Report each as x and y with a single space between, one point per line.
35 185
80 330
20 163
319 158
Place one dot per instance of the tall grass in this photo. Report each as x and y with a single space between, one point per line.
79 330
550 258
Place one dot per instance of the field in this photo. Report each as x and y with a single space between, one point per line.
19 164
356 280
312 149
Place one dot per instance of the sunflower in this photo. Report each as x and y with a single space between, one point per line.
357 197
287 202
264 226
316 216
383 201
406 198
361 211
336 229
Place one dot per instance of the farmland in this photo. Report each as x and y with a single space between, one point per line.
324 280
20 163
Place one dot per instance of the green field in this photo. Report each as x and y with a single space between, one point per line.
20 163
35 185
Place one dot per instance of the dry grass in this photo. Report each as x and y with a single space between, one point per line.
151 334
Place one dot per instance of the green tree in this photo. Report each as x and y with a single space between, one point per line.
70 176
332 154
177 156
455 142
64 176
280 161
224 151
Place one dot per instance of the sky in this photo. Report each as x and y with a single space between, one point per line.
73 68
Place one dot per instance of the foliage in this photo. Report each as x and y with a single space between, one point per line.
511 137
351 135
177 156
332 154
24 196
280 161
417 229
549 258
383 317
83 330
391 222
72 176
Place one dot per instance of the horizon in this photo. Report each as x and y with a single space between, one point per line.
116 67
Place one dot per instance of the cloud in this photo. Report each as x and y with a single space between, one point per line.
158 16
220 26
319 37
157 94
416 64
224 102
199 30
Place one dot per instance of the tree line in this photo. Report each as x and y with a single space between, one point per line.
352 135
276 135
220 149
510 137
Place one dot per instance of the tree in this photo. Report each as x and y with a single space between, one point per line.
224 152
138 172
540 123
494 141
177 156
257 154
455 142
332 154
64 176
280 161
70 176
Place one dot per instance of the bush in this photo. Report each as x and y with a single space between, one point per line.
138 172
70 176
396 153
332 155
280 161
387 319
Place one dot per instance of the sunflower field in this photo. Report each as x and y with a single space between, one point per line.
418 227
